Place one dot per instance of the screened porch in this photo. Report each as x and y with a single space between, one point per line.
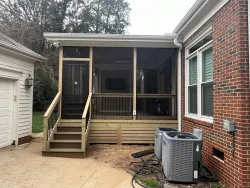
126 83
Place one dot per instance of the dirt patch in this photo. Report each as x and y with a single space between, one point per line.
115 155
37 139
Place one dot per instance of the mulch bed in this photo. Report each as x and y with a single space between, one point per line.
118 156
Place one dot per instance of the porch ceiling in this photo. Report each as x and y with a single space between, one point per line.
112 40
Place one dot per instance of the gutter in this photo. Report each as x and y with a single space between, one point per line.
179 115
90 36
23 52
188 17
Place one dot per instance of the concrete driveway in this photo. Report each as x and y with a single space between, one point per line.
25 167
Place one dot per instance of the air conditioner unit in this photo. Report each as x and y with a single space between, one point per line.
158 140
181 153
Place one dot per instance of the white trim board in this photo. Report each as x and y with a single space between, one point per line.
10 74
198 15
113 40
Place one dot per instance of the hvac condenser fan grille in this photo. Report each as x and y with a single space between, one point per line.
182 161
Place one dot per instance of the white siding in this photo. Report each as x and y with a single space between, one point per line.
25 96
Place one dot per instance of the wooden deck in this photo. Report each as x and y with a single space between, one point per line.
126 131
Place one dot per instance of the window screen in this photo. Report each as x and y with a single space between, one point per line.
75 52
207 83
192 89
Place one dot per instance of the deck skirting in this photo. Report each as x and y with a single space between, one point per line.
126 131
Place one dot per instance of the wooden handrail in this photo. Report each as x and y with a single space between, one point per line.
130 95
46 120
86 106
84 124
53 105
162 96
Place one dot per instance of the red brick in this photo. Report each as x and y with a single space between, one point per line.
25 139
235 171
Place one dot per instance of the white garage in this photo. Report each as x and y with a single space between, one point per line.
16 91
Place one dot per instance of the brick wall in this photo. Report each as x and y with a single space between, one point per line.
24 140
231 96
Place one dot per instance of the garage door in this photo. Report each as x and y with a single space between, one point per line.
6 112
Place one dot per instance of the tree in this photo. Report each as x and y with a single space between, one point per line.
99 16
26 20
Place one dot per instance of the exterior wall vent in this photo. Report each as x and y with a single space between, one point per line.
218 154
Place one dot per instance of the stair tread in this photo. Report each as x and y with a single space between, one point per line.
68 132
69 125
64 150
71 120
66 141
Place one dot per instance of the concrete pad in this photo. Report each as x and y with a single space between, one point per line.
24 167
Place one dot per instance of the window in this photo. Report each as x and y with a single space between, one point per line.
75 52
192 88
199 79
200 43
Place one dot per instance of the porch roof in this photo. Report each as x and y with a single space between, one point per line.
113 40
9 44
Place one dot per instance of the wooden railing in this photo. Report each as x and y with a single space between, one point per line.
86 116
156 106
112 105
52 118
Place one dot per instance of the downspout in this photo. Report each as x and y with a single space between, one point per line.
179 45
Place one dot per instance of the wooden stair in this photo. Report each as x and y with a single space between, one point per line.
66 140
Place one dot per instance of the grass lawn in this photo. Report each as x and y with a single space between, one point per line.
37 122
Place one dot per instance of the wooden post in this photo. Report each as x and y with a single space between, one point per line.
60 80
134 82
83 135
90 69
90 77
45 133
119 135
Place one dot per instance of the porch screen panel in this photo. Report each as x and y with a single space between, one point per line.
75 88
75 52
192 88
207 83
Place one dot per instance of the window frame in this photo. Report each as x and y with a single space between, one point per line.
199 54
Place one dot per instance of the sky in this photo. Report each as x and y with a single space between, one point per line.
156 17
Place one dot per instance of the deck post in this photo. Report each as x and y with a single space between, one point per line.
45 133
90 77
119 135
83 135
134 82
90 69
60 79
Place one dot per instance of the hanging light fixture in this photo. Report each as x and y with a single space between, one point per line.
29 82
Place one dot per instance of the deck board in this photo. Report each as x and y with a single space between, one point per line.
125 131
